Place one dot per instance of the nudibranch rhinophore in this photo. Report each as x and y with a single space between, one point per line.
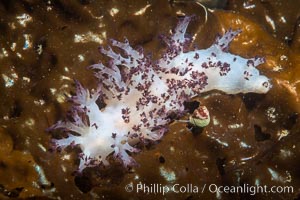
140 94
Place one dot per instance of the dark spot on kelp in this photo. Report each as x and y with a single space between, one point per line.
251 100
83 183
220 162
291 120
161 159
15 110
191 106
14 193
260 135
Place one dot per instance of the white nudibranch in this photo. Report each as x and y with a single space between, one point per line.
139 94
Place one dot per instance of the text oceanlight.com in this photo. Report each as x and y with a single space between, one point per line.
212 188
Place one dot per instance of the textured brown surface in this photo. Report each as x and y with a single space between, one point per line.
37 99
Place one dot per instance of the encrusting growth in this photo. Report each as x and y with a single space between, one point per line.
140 94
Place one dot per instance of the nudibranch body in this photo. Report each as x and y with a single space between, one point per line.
140 95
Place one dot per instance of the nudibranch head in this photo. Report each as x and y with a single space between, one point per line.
260 85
